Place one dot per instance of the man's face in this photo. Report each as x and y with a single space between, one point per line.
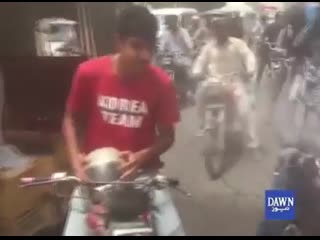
281 20
136 52
221 30
253 17
202 23
286 19
172 23
194 22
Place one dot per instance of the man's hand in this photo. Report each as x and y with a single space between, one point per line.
97 218
131 163
80 170
247 76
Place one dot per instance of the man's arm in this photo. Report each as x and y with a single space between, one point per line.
70 134
164 140
167 115
280 42
187 39
247 57
201 62
134 161
265 34
163 42
76 108
197 34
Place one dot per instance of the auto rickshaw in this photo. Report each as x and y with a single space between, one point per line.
184 16
32 95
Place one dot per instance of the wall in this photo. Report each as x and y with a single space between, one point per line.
103 18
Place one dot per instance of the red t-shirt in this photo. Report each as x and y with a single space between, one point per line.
121 114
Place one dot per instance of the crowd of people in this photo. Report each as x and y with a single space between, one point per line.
213 46
123 101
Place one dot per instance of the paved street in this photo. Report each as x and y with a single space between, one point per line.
232 205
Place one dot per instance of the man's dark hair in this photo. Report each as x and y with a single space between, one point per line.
137 21
219 21
263 18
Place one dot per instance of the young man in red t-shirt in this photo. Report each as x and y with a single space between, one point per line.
123 99
125 103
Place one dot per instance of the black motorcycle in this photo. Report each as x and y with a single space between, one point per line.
166 61
178 74
297 171
278 68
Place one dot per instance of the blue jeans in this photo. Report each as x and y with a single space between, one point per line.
167 220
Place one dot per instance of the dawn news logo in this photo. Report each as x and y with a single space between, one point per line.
279 205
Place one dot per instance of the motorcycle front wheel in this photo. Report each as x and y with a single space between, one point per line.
213 155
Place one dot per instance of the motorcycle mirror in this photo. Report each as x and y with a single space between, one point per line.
180 190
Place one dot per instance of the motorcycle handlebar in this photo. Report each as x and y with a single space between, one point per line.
287 61
228 75
157 182
173 182
273 47
171 54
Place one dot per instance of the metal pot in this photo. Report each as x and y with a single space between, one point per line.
125 202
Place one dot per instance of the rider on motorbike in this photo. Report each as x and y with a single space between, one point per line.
298 129
123 102
269 35
177 41
201 35
194 25
219 57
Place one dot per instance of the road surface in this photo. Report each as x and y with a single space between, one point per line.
232 205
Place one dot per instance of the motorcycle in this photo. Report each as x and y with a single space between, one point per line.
277 58
299 172
166 61
116 208
279 69
178 74
221 121
198 46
